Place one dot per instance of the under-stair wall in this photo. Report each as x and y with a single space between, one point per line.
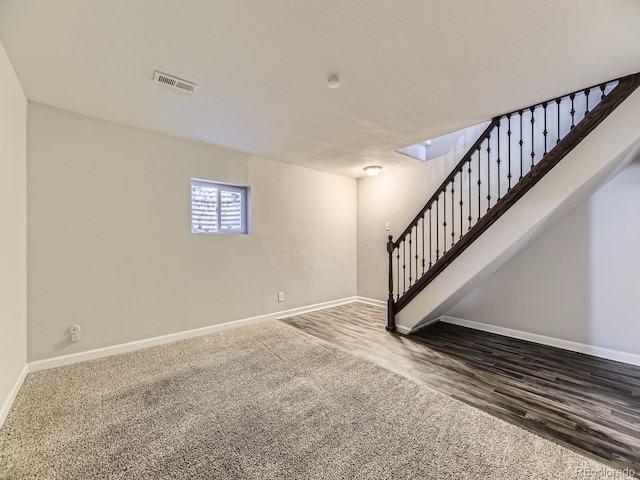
577 284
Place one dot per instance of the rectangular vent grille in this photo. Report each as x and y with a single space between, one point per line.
174 82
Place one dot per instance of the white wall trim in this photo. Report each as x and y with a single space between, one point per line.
403 330
173 337
313 308
8 402
372 301
601 352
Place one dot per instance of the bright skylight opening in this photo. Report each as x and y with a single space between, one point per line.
445 144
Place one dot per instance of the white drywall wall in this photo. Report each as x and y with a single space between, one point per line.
395 197
110 246
13 241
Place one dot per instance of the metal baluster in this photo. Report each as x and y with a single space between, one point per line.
410 257
469 171
488 172
479 184
437 228
533 155
430 243
509 148
444 223
521 144
461 201
544 132
417 256
498 160
586 96
603 87
573 110
423 260
558 100
404 265
453 218
398 271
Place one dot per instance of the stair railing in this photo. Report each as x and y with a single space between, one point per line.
514 152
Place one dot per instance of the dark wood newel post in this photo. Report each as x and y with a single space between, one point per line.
391 318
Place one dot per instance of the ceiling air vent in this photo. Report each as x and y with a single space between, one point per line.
174 82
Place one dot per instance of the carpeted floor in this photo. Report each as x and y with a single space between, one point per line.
260 402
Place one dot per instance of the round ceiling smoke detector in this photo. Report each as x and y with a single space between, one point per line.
333 82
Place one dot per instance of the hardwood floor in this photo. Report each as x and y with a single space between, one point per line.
588 404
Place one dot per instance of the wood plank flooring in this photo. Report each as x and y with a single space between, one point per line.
587 404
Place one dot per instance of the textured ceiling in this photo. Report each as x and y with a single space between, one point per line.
410 69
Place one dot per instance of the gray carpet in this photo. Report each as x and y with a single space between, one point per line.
260 402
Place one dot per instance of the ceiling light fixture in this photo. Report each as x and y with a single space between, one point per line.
333 82
372 170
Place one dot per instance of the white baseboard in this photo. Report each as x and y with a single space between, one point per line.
313 308
618 356
173 337
402 329
409 331
371 301
8 402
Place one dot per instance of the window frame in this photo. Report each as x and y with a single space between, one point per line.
245 213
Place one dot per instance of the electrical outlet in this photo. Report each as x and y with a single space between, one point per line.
74 330
281 296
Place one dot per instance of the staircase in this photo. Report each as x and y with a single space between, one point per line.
499 195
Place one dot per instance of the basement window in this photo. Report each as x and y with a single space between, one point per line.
219 207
